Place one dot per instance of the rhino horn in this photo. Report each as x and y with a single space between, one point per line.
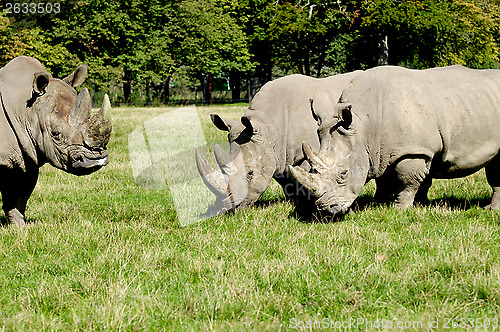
215 181
310 181
98 129
317 163
80 112
102 115
227 166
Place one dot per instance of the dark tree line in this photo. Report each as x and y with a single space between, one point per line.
155 39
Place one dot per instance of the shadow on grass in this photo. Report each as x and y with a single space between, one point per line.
308 213
459 203
214 210
262 204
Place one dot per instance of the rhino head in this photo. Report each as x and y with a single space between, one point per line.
248 168
66 133
339 171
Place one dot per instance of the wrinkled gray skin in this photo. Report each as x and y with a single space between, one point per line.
402 128
267 139
42 119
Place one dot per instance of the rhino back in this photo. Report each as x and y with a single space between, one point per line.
286 101
448 114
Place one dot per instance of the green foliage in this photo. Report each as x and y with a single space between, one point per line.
474 38
115 34
10 44
207 39
298 37
157 39
31 41
428 33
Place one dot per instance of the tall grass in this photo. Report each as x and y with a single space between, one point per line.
102 253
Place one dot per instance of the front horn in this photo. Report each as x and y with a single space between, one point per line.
80 112
317 163
215 181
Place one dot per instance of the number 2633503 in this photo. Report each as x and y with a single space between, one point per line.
32 8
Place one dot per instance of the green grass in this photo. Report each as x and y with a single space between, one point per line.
105 254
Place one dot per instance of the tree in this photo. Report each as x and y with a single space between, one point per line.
308 37
25 38
209 41
302 34
116 38
427 33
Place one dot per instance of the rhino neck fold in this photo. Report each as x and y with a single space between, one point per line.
274 140
369 128
20 131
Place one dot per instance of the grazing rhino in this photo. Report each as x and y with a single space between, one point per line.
42 119
402 128
267 139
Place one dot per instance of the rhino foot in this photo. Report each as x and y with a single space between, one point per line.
492 206
14 217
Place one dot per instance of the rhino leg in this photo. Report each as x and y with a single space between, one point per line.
15 195
493 177
421 195
385 189
290 188
411 173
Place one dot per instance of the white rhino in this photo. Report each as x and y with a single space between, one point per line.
42 120
268 139
402 128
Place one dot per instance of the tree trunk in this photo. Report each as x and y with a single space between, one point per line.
207 89
165 90
127 85
148 93
321 61
382 51
235 86
307 65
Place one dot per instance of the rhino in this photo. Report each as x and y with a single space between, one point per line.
267 139
403 128
44 120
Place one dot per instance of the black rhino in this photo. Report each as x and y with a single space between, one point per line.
402 128
267 139
44 120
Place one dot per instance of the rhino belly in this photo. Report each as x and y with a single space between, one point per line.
465 162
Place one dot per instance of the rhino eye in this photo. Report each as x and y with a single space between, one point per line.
57 133
342 176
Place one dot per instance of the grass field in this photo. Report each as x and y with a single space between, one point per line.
102 253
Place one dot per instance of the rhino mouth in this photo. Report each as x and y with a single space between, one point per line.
82 163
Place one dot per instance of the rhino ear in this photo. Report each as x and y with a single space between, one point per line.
314 114
40 82
245 120
345 116
77 77
221 124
